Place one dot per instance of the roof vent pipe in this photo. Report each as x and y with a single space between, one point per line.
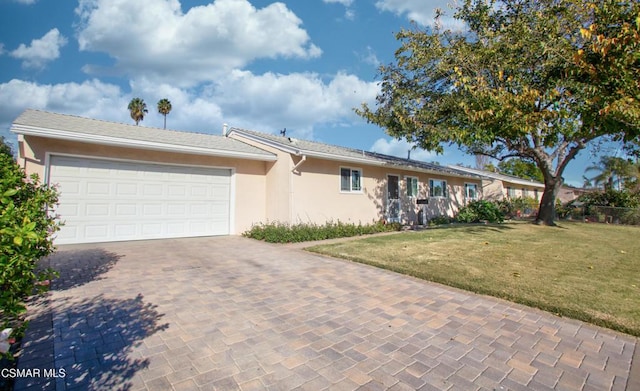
225 129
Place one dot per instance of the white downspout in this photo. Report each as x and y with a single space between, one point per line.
291 191
295 168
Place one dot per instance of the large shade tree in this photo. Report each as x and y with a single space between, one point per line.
164 108
533 79
137 109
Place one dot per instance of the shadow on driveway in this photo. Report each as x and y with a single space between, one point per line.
79 267
88 342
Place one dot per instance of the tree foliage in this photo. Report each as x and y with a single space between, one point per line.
25 236
521 168
612 198
613 170
137 109
532 79
164 108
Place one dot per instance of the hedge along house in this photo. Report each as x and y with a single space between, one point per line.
124 182
315 182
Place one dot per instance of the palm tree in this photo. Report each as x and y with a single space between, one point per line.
164 108
137 109
612 170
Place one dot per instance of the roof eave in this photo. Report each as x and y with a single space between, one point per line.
340 158
265 141
125 142
380 163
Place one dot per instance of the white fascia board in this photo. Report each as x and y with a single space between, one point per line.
131 143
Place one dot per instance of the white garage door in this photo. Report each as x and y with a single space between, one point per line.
105 200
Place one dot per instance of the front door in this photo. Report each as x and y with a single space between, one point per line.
393 198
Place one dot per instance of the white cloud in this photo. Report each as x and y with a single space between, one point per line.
299 101
370 57
400 148
156 39
349 13
41 50
346 3
26 2
92 98
423 12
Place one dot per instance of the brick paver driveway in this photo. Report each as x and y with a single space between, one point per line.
230 313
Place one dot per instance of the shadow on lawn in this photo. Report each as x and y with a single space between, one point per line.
475 228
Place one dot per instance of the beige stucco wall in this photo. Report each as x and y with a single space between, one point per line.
496 190
493 190
523 191
249 175
277 183
316 195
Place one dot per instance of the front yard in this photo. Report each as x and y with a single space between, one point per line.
589 272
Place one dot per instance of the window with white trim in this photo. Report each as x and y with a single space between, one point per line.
350 179
412 186
437 188
471 191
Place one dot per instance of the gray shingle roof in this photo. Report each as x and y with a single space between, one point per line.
499 176
50 123
317 148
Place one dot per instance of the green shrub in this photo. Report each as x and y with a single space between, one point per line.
481 210
439 220
516 207
612 198
276 232
25 236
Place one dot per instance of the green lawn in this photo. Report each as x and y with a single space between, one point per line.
589 272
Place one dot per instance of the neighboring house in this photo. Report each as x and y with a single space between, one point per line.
125 182
496 186
570 193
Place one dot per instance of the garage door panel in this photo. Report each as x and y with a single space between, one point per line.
102 200
176 190
126 189
152 190
126 210
151 229
96 231
97 210
124 230
98 188
152 210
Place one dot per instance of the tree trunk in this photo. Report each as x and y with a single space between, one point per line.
547 208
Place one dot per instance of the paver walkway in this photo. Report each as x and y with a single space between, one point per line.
230 313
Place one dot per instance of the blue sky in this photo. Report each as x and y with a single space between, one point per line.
302 65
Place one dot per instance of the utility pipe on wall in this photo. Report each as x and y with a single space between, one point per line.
295 168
